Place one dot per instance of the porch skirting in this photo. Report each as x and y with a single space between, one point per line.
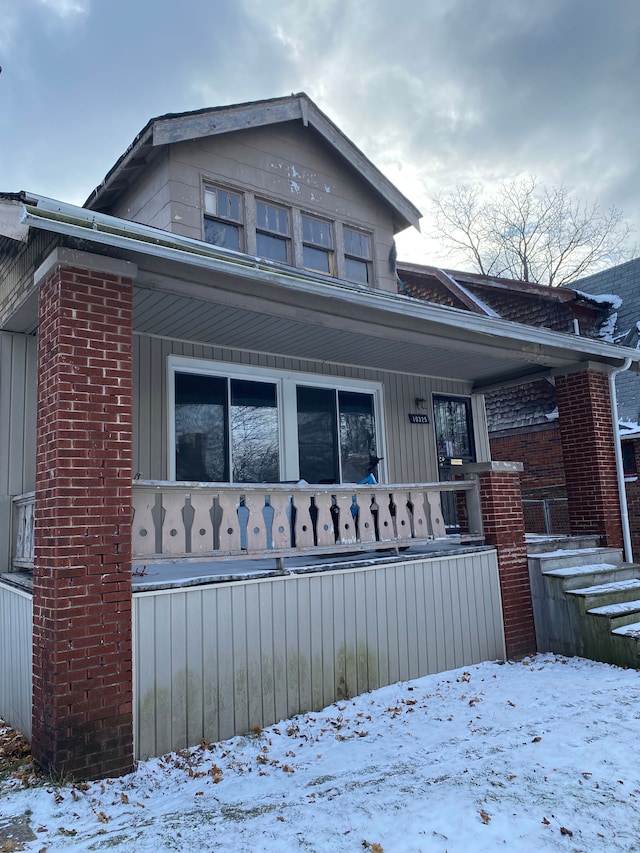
212 661
217 659
16 633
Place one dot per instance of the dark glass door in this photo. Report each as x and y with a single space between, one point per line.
454 446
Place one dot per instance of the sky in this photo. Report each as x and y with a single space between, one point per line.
436 92
538 756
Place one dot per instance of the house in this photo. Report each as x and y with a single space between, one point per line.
220 423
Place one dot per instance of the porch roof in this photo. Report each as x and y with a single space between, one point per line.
190 290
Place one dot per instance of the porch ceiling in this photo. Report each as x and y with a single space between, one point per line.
315 323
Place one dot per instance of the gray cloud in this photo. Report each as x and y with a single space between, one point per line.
435 92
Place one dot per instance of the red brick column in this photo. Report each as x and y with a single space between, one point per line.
82 659
503 523
586 432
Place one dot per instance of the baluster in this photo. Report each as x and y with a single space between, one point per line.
303 521
173 533
256 527
385 521
366 524
230 538
280 530
143 538
202 539
403 522
435 514
325 521
346 521
419 524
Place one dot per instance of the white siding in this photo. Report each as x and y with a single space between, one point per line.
214 661
16 632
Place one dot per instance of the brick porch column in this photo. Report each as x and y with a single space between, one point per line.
82 659
503 522
586 432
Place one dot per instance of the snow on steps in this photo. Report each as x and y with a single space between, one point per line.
586 601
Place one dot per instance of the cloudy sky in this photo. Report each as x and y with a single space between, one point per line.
435 92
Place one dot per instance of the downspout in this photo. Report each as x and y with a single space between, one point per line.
622 490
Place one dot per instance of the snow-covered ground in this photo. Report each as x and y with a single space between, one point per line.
533 756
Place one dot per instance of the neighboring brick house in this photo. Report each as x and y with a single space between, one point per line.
199 369
522 420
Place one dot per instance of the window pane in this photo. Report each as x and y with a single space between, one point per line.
357 435
272 247
255 443
316 259
356 243
222 234
272 218
201 428
317 435
356 270
316 231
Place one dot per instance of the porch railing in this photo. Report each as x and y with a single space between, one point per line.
187 520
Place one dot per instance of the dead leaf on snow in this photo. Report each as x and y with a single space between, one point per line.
565 831
486 818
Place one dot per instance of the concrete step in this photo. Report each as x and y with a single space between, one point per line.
631 631
569 557
617 615
541 544
607 594
586 575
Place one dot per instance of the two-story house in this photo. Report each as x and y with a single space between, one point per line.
220 426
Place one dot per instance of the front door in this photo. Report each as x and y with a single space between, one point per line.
454 446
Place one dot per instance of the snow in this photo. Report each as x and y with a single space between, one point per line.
531 756
611 299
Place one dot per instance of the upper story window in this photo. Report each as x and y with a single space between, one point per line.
273 236
357 256
317 245
223 218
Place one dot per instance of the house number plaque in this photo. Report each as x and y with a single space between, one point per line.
419 419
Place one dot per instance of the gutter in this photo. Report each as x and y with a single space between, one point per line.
622 489
57 217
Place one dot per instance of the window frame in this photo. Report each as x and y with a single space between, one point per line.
287 239
286 382
365 260
329 251
241 223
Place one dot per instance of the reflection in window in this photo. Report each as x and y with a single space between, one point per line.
336 435
272 231
223 218
317 245
254 432
214 436
357 255
201 428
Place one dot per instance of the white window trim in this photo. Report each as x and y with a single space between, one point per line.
286 382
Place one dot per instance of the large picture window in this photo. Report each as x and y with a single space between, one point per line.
251 425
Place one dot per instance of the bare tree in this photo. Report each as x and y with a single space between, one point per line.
530 232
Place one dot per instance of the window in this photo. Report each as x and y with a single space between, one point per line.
231 423
272 232
357 256
223 218
226 425
317 245
629 459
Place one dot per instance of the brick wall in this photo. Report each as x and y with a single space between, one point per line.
503 520
82 662
586 428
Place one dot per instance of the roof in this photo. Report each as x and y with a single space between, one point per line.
191 290
520 301
181 127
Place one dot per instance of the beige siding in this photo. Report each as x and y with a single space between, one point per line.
17 427
286 163
214 661
16 614
410 448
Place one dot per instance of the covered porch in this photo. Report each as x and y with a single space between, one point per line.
261 565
